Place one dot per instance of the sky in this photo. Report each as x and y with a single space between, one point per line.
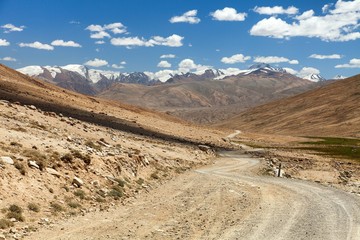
171 36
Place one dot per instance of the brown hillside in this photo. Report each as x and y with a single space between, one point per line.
209 101
331 110
17 87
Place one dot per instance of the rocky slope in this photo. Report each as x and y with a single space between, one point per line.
330 110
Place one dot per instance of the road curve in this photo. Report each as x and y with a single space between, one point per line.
291 209
226 200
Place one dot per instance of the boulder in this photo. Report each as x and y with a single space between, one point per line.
53 172
78 182
204 148
7 160
33 164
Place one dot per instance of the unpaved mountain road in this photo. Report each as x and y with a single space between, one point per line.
226 200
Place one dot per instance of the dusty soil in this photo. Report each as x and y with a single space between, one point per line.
224 201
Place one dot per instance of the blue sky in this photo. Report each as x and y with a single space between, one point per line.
165 36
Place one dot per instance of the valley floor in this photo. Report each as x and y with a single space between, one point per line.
227 200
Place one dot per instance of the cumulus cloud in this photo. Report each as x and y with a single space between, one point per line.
102 31
100 42
117 66
188 17
228 14
171 41
168 56
326 7
164 64
332 56
187 65
354 63
11 28
37 45
305 71
8 59
62 43
274 59
340 24
96 63
123 62
4 43
237 58
276 10
290 70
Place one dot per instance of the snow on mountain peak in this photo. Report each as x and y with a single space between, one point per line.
339 77
314 77
31 70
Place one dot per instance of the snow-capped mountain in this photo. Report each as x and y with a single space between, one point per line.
314 77
339 77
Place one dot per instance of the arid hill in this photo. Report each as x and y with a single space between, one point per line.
206 101
332 110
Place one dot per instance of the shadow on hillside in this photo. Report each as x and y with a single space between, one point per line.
99 119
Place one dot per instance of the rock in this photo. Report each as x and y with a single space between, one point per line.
33 164
103 144
2 237
53 172
204 148
7 160
32 107
78 182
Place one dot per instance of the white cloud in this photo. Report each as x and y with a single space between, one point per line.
37 45
305 71
346 6
171 41
340 24
117 66
122 62
276 10
188 17
100 42
306 15
332 56
354 63
74 22
168 56
228 14
99 32
274 59
290 70
62 43
8 59
4 42
187 65
326 7
162 75
99 35
96 63
237 58
11 28
164 64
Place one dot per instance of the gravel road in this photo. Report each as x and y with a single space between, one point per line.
226 200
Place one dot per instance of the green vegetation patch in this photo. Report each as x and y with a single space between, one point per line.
340 147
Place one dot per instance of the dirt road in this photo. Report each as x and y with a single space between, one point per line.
223 201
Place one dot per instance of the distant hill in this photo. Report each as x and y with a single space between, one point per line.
333 109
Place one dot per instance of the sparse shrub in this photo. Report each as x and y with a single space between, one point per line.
34 207
15 211
100 199
5 223
120 182
51 190
68 158
19 166
86 158
116 192
154 175
73 204
91 144
35 155
140 181
56 207
16 144
80 193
